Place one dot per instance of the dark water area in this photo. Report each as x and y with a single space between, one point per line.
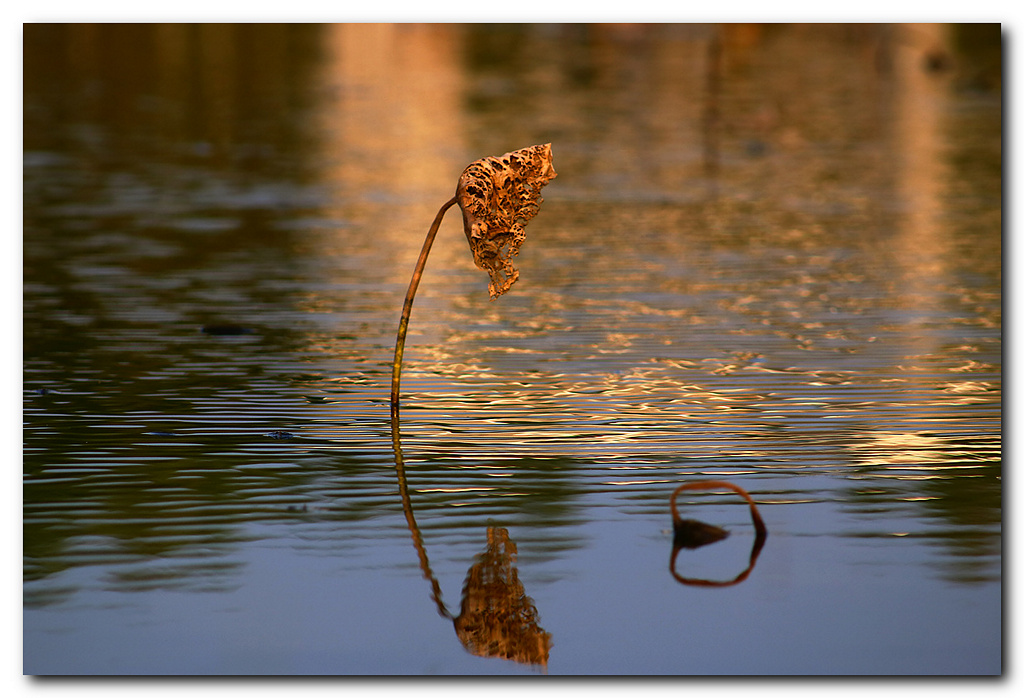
772 256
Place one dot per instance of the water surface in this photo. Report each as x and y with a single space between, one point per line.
772 256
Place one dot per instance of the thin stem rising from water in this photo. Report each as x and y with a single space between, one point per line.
403 324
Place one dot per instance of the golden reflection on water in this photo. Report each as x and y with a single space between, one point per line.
584 415
496 618
922 455
391 115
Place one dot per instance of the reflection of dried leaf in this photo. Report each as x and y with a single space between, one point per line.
498 619
498 197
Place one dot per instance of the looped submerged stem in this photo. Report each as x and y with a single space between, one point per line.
755 516
760 532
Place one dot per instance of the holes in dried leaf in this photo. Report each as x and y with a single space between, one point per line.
498 197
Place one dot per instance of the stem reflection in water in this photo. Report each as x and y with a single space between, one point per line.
496 618
690 534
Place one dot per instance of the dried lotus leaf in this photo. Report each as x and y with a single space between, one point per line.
498 197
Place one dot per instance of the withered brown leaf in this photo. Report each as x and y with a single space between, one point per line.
498 197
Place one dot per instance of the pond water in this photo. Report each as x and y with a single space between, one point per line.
772 256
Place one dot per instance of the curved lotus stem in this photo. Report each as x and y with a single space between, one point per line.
717 485
498 197
403 323
761 532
